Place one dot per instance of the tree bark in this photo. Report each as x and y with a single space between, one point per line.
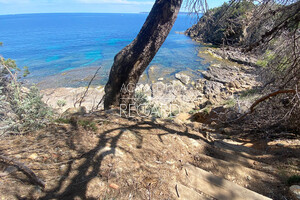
130 62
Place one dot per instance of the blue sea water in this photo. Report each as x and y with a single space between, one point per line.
52 44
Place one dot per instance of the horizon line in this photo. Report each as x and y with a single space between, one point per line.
72 13
83 13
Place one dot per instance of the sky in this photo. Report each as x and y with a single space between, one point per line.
86 6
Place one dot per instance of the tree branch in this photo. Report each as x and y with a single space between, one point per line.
20 166
258 101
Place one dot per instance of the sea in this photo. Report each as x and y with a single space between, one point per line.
65 49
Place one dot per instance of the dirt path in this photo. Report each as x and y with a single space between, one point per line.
136 159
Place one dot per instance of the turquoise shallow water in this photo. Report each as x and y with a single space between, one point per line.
55 44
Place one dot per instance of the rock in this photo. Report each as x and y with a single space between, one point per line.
62 169
77 110
221 74
185 79
33 156
206 103
208 118
295 192
214 88
213 123
226 131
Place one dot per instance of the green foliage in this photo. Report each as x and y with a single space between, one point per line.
241 8
61 103
224 24
88 125
174 113
142 103
283 64
31 110
235 10
207 109
21 109
194 111
11 64
140 98
248 93
26 71
295 179
268 56
63 120
269 59
230 103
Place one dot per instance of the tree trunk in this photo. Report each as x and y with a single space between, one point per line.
130 62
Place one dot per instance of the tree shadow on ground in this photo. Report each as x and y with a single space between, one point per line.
72 186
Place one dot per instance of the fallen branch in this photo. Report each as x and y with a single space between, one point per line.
20 166
258 101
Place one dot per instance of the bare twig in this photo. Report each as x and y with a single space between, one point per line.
80 101
100 102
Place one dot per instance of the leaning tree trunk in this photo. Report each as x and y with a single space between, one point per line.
130 62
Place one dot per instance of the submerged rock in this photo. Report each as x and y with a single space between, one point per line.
185 79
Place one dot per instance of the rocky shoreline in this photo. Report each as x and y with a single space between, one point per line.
222 81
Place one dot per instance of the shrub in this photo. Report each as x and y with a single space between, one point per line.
32 112
140 98
21 109
88 125
293 180
61 103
